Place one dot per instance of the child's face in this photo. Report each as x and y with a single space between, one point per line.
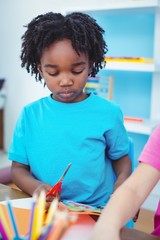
64 71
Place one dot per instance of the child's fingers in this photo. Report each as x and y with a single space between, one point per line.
49 198
42 187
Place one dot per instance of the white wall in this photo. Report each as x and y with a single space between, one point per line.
21 87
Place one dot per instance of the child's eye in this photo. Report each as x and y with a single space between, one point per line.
53 74
77 71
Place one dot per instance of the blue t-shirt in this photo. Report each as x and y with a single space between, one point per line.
89 134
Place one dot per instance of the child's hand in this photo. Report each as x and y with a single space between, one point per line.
61 206
49 199
46 188
42 187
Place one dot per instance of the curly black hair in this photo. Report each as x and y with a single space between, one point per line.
81 29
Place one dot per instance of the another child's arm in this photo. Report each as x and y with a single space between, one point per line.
122 168
125 202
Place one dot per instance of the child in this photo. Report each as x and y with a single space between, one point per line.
68 126
128 198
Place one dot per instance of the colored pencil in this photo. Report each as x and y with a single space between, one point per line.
60 225
45 232
3 232
51 212
40 210
32 217
5 223
12 219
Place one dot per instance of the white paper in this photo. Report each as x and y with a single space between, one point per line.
24 203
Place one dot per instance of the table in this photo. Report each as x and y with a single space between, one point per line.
11 193
126 233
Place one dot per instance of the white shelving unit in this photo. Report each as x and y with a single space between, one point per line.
148 125
129 66
135 6
145 127
113 7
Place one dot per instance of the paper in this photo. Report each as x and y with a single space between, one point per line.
22 217
25 203
83 208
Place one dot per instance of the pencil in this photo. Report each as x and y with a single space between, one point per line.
3 232
45 232
4 223
51 212
39 210
60 225
12 219
40 213
32 217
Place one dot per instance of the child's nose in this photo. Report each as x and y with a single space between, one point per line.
66 81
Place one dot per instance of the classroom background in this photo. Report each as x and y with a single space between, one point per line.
132 31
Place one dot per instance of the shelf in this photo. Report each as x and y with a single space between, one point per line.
116 5
130 66
145 127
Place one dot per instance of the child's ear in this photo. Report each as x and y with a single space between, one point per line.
90 67
39 68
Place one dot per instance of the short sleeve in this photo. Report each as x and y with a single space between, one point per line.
117 138
151 152
17 149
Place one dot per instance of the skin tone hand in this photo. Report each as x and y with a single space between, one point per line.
49 199
46 188
125 202
27 183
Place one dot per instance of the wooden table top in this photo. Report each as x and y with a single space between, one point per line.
6 191
126 233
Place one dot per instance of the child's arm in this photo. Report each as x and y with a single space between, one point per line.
23 178
125 202
122 168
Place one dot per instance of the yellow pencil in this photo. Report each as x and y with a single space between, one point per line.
38 216
5 223
40 213
51 212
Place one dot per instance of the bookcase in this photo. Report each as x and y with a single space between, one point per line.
132 30
146 14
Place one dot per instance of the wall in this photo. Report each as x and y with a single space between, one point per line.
20 86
